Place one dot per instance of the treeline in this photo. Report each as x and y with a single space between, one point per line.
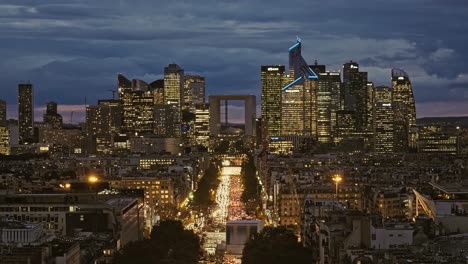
203 197
168 243
276 245
252 189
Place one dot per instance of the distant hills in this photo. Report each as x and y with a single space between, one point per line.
450 121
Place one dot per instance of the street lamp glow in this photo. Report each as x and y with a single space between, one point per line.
337 179
93 179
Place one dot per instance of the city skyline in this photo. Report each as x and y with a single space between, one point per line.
78 48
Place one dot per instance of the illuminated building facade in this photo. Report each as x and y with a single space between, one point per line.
298 99
272 78
404 109
98 128
4 130
194 92
435 140
64 141
157 190
345 125
297 109
165 120
328 101
4 140
202 125
25 113
383 120
137 105
115 112
51 117
155 163
174 91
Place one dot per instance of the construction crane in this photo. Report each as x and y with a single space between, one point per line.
113 93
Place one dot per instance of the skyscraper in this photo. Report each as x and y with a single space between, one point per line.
173 91
355 95
137 105
272 78
3 113
328 100
52 117
98 126
404 109
298 100
115 107
383 120
25 113
194 92
4 130
296 109
202 125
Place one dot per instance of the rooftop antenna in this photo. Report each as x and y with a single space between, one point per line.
113 93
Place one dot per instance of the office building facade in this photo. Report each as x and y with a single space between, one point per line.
25 113
272 78
174 91
404 109
51 117
194 92
383 120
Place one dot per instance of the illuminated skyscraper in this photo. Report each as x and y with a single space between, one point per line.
174 92
328 101
296 110
4 130
115 109
202 125
272 77
25 113
404 109
383 120
370 105
157 87
137 105
4 140
194 92
99 126
165 121
52 117
298 98
355 95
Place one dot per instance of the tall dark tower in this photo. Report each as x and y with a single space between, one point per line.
52 117
3 116
355 95
25 113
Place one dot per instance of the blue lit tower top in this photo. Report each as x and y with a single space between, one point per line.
298 66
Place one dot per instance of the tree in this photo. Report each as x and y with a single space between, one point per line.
275 245
252 189
169 243
208 184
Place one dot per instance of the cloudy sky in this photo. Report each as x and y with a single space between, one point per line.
72 49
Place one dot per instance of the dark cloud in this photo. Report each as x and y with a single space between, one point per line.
72 49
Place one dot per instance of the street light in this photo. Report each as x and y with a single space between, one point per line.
337 179
93 179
